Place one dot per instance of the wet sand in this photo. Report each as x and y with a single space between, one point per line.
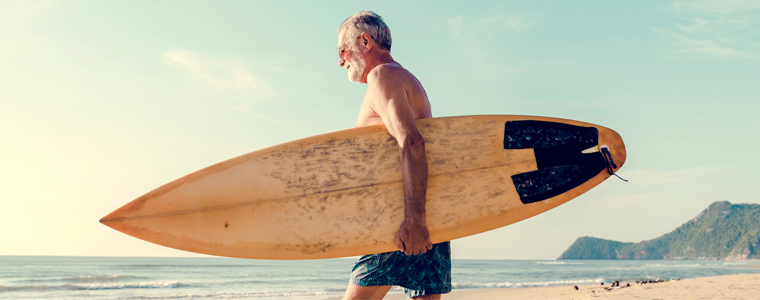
743 286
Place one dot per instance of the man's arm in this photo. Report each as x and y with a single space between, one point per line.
391 103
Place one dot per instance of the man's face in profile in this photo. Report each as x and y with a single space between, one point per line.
350 57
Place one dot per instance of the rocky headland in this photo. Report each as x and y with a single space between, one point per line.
723 231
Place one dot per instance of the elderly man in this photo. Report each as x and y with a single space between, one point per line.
394 98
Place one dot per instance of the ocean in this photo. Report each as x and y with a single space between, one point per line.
58 277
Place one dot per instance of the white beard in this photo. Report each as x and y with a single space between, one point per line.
356 68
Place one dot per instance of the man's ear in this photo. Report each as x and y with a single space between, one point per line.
366 41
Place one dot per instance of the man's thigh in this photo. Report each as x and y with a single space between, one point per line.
356 292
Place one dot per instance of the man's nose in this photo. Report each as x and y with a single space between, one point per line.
341 62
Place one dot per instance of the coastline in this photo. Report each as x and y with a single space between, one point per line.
741 286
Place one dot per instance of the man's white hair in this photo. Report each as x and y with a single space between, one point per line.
372 24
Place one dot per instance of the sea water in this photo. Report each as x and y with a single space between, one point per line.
39 277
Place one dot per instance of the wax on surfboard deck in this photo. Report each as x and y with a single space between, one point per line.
341 193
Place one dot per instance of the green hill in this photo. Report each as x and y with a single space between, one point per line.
722 231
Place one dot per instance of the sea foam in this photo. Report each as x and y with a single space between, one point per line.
127 285
234 295
558 263
524 284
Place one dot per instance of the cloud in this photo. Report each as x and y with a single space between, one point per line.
689 47
241 107
229 75
456 24
474 34
511 22
466 38
714 29
710 49
489 25
242 110
714 6
699 25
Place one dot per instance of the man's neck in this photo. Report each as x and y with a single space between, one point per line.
376 60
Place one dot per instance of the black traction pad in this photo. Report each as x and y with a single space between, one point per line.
557 147
542 134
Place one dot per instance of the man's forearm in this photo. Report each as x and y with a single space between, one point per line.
415 171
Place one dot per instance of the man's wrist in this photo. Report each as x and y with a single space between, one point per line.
416 218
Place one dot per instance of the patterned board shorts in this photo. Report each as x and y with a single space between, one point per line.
419 275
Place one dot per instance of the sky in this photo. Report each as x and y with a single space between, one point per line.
103 101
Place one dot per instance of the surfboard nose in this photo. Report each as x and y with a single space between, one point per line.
119 220
113 216
110 219
116 218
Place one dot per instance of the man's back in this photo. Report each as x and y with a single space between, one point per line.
391 74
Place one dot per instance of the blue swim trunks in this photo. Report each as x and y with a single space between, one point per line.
419 275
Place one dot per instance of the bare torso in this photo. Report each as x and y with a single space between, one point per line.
418 100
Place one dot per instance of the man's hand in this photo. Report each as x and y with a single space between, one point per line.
413 237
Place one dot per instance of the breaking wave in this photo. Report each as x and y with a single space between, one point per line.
558 263
524 284
129 285
91 286
234 295
101 278
84 279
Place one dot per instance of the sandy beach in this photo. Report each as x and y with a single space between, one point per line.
743 286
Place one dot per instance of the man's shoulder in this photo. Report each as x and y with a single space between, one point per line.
388 72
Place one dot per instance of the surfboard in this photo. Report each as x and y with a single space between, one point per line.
341 194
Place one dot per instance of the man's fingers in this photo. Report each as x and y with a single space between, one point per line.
430 246
411 250
400 244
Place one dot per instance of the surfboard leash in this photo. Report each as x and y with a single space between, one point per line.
611 166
